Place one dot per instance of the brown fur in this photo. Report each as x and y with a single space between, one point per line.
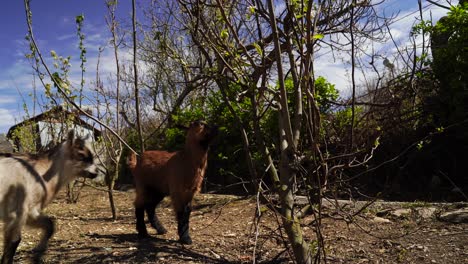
175 174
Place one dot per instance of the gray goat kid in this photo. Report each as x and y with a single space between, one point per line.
28 183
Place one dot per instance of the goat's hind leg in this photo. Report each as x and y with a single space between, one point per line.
12 238
48 229
47 225
150 208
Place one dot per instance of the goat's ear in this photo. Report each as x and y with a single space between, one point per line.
179 126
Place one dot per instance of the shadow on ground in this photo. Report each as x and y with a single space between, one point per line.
135 250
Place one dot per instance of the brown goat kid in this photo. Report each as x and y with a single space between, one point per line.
176 174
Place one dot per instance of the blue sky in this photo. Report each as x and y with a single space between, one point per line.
55 29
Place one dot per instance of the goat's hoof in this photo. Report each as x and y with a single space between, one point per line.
185 240
37 261
37 258
161 231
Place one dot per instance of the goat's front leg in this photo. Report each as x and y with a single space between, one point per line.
140 222
47 225
140 213
183 218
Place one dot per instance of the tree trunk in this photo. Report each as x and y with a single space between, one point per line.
111 197
292 226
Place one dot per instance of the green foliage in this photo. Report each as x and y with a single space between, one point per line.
343 117
422 27
26 137
224 34
431 117
79 24
450 61
318 36
325 93
60 78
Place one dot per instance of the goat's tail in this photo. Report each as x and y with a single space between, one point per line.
132 161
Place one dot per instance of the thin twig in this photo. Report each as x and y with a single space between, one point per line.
59 85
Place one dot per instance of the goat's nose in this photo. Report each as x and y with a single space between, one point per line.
91 175
92 171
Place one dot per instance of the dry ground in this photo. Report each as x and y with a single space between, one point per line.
223 232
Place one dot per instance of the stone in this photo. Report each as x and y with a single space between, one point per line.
401 212
381 220
426 212
457 216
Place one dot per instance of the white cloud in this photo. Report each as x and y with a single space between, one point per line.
5 99
6 120
337 71
66 37
333 71
66 20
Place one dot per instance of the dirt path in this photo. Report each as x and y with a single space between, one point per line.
223 232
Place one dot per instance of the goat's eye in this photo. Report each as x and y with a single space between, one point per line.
85 158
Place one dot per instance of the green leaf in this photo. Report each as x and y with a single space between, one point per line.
79 19
224 34
258 48
318 36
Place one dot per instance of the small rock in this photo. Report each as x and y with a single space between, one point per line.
388 243
215 255
381 220
457 216
401 212
423 248
426 212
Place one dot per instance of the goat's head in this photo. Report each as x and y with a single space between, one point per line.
81 161
202 133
